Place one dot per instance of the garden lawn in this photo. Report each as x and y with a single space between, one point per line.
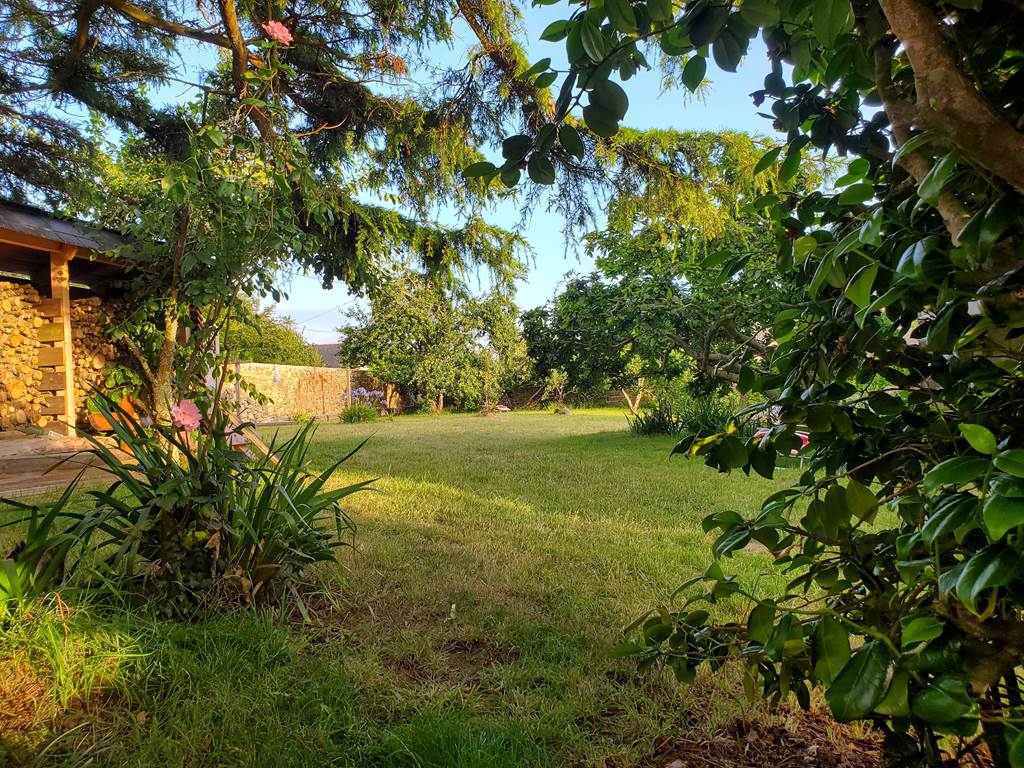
494 567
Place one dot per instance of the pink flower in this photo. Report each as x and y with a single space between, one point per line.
277 31
185 415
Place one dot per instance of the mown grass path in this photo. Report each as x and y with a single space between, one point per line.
470 626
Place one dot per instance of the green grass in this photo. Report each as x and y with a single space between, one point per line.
470 626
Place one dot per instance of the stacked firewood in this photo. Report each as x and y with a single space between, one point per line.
20 398
93 352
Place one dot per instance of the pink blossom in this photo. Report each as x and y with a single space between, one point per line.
185 415
277 31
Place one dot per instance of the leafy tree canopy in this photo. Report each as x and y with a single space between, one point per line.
436 344
329 84
261 336
903 536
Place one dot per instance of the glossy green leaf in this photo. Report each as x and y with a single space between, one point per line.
831 18
767 160
1011 462
610 98
896 702
955 471
555 31
621 15
952 513
856 194
540 169
803 247
920 630
571 141
693 73
944 700
1001 513
993 567
600 122
860 500
728 50
510 177
708 24
515 148
478 169
659 10
760 13
832 649
761 622
932 185
858 290
980 438
861 685
545 80
594 44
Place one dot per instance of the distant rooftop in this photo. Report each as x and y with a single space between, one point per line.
329 354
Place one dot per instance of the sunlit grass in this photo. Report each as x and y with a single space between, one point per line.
494 567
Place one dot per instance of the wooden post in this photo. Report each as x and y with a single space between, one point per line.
348 386
60 289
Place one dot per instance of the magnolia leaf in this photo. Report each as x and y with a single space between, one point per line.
860 686
944 700
571 141
993 567
1011 462
555 31
621 15
858 290
540 169
767 160
1001 513
832 649
593 41
600 122
920 630
611 98
979 437
478 169
955 471
760 13
831 18
932 184
693 75
707 25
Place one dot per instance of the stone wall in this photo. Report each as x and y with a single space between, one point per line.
21 401
295 391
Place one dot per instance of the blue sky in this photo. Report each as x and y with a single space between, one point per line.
727 104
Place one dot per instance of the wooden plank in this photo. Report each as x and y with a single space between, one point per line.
50 356
49 308
52 381
53 406
51 332
60 288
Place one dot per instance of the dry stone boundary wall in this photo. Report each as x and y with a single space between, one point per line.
296 391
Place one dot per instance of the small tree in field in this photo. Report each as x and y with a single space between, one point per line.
430 341
904 533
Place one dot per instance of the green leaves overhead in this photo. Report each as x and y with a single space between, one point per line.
621 15
693 72
570 140
831 18
981 439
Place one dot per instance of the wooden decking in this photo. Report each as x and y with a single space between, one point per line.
28 464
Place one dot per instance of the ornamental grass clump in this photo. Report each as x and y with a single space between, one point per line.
188 522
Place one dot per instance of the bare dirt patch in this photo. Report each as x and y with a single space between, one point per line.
807 739
22 695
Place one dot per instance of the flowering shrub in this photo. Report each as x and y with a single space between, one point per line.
185 415
371 397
